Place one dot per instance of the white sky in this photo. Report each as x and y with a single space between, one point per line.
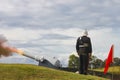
51 27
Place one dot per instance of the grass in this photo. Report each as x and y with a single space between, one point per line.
114 70
33 72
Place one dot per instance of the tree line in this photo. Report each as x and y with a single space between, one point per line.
94 62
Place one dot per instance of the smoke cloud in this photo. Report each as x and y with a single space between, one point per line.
3 51
6 50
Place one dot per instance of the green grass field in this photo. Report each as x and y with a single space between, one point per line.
33 72
114 70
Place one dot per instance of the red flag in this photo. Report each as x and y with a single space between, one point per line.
109 59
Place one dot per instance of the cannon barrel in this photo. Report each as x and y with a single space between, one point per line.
37 58
51 63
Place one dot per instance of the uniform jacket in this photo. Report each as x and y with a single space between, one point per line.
87 40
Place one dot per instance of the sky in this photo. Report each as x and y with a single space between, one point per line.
51 27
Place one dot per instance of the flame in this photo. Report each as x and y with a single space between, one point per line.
6 50
13 49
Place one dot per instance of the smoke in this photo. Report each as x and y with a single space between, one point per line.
6 50
3 50
2 38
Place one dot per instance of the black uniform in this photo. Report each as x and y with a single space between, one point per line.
83 48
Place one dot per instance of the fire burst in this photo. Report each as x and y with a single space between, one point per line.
6 50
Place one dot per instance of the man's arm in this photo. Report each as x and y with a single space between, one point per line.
77 45
90 48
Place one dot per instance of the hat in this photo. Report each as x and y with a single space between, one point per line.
85 33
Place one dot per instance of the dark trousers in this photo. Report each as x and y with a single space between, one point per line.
84 61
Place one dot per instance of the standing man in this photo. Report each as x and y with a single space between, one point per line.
84 50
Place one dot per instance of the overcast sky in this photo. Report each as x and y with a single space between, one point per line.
51 27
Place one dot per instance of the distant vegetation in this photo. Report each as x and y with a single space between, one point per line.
114 70
94 61
33 72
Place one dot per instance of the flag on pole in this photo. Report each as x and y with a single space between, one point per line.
109 59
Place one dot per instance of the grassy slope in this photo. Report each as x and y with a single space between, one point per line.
32 72
114 70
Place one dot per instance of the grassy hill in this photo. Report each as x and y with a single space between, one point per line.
33 72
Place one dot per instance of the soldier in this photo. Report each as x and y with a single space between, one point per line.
84 50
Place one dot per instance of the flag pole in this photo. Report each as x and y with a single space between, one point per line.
112 62
112 72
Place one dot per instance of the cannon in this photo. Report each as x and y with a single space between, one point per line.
51 63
